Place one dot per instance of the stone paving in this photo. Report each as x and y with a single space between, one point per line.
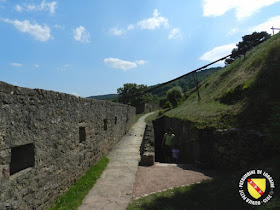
114 188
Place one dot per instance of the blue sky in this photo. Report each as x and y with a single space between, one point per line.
93 47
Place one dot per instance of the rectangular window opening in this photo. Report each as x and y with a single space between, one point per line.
22 157
105 125
116 119
82 134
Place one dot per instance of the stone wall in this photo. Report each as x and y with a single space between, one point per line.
146 108
147 149
229 148
49 139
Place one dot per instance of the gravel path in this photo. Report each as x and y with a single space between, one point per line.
163 176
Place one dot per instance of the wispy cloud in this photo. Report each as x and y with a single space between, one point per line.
16 64
141 62
218 52
39 32
18 8
175 33
243 8
267 25
130 27
44 6
117 63
233 31
58 26
63 68
154 22
80 34
36 66
117 32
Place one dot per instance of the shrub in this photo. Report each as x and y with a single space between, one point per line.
174 95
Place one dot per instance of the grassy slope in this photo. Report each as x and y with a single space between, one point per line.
258 76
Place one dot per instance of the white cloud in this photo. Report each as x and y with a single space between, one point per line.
218 52
175 33
242 8
58 26
130 27
63 68
266 26
81 34
40 33
36 65
154 22
121 64
16 64
44 6
18 8
233 31
140 62
117 32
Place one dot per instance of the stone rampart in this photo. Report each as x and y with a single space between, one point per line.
146 108
48 140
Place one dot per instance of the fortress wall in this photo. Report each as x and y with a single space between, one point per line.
48 140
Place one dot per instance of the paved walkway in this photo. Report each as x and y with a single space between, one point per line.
114 188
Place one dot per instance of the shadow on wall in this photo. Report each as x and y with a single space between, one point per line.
192 143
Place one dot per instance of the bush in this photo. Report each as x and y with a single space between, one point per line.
174 95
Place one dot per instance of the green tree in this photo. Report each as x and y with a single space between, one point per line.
248 42
131 94
174 95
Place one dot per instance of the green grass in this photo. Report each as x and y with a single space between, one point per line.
75 195
152 117
138 116
255 77
219 193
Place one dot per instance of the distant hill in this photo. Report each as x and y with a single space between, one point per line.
109 97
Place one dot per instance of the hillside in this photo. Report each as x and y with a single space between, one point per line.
244 94
186 83
109 97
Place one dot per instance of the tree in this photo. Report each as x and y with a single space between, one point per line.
248 42
174 95
131 94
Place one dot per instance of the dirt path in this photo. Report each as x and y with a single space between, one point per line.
163 176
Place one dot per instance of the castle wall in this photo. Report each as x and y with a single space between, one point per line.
48 140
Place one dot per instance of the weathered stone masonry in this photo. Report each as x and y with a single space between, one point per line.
228 148
49 139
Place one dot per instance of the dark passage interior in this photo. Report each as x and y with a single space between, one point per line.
22 157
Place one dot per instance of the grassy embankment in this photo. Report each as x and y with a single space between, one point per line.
73 198
245 94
